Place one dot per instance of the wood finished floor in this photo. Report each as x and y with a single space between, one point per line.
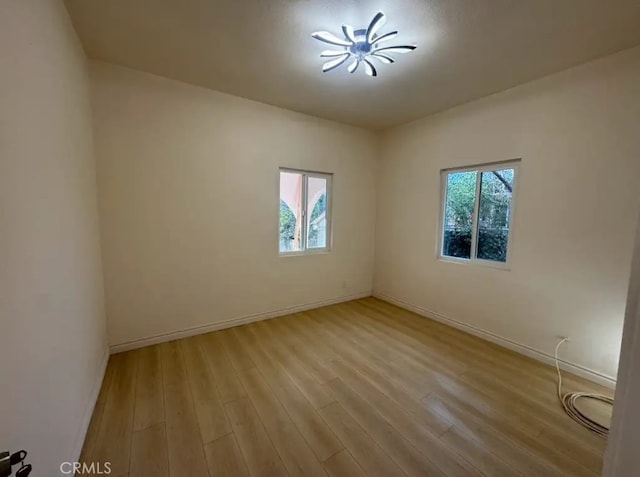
360 388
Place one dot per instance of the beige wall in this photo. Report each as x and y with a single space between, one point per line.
578 134
188 194
52 330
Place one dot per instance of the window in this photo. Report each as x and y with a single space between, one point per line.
477 211
305 222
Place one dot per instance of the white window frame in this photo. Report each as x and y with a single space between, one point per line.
487 167
303 235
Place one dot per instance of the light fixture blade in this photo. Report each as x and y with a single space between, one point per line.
330 65
330 38
369 68
382 58
349 33
353 66
375 25
395 49
385 37
331 53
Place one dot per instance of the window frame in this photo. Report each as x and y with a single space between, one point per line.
479 168
306 174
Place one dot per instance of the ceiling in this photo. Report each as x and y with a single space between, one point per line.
262 49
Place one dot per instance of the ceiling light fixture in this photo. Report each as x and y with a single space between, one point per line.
360 46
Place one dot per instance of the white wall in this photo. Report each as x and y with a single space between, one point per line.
578 134
188 196
52 329
622 458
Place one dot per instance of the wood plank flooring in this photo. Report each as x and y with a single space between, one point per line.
361 388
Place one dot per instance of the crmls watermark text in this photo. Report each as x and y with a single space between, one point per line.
91 468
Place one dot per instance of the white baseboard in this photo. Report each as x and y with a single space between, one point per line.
221 325
547 358
88 411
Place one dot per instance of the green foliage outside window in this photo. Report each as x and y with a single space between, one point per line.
287 226
493 214
319 210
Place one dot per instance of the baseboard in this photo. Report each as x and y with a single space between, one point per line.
546 358
88 411
221 325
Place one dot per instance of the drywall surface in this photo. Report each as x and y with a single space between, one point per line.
52 327
188 183
622 458
576 208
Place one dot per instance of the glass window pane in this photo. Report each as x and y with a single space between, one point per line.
496 193
458 214
317 212
290 211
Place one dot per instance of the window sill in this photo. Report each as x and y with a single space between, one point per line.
505 267
305 253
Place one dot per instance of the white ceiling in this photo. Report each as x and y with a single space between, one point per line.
262 49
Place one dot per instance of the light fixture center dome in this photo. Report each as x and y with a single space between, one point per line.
361 47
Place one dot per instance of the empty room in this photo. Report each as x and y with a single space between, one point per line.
343 238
